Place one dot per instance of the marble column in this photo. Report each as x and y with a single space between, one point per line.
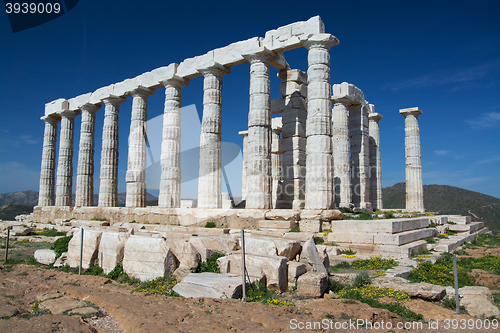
414 184
244 188
64 187
375 164
259 170
170 181
108 189
276 152
209 181
294 117
341 153
137 149
85 169
319 161
48 167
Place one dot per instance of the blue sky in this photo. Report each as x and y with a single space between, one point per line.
442 56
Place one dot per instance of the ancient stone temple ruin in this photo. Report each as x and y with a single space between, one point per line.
322 153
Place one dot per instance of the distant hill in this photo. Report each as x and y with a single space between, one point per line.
449 200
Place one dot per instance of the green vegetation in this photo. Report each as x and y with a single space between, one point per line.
483 240
119 275
94 270
450 303
159 286
61 245
296 229
365 215
99 219
431 240
348 252
374 263
361 280
210 265
257 292
209 224
319 240
50 232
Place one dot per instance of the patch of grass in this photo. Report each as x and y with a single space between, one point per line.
335 286
296 229
345 316
22 274
210 265
257 292
32 261
11 261
50 232
431 240
374 263
61 245
319 240
362 279
23 241
347 251
341 265
94 270
365 215
389 215
209 224
432 225
119 275
450 303
329 316
159 286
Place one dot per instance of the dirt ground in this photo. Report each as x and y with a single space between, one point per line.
123 311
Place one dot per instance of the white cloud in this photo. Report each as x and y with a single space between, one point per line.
441 152
485 120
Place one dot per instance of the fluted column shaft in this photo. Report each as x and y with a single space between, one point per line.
319 162
259 173
341 154
414 184
137 149
85 169
47 170
108 189
244 187
276 172
375 162
170 181
209 181
64 189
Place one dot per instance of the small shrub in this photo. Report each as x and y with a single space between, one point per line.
451 303
257 292
159 286
335 286
32 261
432 225
61 245
362 280
431 240
365 215
94 270
318 240
209 224
119 275
210 265
347 252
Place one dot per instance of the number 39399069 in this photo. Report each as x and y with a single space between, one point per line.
32 8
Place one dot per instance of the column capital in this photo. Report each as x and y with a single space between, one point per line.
321 41
113 100
344 101
410 111
261 54
374 116
215 69
90 107
69 113
243 133
176 81
142 92
51 118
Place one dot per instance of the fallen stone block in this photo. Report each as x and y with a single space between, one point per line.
45 256
421 290
223 243
311 257
478 301
331 214
111 248
186 254
211 285
310 225
287 247
260 246
91 239
323 255
295 269
18 230
300 236
283 214
147 258
312 284
61 261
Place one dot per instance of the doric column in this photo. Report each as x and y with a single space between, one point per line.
137 149
47 170
294 114
414 185
341 153
276 174
244 188
209 181
64 189
259 170
319 162
108 189
85 169
170 182
375 164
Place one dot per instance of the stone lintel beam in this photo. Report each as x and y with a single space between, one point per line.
349 92
56 106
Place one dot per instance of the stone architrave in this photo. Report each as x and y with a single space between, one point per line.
244 186
360 158
137 148
47 171
414 184
170 181
108 188
341 153
375 163
293 137
64 186
259 168
85 170
209 181
319 162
